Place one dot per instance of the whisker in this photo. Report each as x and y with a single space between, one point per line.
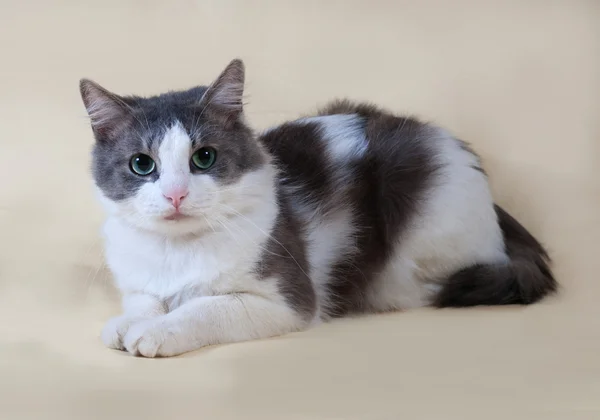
209 224
260 246
268 235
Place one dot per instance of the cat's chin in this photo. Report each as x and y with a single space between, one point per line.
175 217
174 225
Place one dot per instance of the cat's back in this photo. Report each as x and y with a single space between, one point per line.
382 197
346 147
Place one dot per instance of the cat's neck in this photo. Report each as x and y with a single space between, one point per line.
180 262
233 248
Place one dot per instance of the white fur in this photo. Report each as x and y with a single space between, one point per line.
174 154
214 319
190 283
343 135
329 240
456 228
137 307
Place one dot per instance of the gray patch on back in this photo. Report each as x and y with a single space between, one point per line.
379 171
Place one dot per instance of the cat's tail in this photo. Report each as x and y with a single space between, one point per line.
525 279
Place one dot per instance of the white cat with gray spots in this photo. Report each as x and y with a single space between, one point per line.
216 235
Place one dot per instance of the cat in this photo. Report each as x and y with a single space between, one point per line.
217 235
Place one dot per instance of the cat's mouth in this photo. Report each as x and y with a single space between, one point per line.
176 216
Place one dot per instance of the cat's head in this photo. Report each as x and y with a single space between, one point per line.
180 162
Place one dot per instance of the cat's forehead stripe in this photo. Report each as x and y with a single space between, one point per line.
174 149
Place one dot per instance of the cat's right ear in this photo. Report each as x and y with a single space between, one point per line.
108 112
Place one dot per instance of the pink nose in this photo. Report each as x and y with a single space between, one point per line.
176 196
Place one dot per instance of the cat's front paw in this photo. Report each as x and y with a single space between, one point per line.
114 331
151 338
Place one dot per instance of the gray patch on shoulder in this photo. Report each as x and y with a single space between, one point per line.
284 258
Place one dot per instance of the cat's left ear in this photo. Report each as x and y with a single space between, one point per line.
225 95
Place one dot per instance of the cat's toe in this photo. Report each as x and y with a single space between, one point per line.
113 332
144 339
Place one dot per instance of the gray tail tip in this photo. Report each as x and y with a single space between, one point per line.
515 283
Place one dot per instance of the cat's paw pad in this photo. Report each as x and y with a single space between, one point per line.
148 338
114 331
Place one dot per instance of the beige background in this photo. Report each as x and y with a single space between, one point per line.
518 79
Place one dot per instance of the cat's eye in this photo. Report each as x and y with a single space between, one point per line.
204 158
142 164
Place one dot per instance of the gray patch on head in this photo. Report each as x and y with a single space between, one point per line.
111 167
237 150
147 121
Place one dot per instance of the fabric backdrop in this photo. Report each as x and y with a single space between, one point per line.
520 80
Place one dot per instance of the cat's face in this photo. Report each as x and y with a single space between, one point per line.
178 163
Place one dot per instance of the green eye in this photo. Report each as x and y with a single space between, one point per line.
142 164
204 158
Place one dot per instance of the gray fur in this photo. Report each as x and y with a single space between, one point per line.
137 125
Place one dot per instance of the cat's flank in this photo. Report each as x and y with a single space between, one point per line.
216 235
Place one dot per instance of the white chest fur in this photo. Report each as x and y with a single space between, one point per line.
176 268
